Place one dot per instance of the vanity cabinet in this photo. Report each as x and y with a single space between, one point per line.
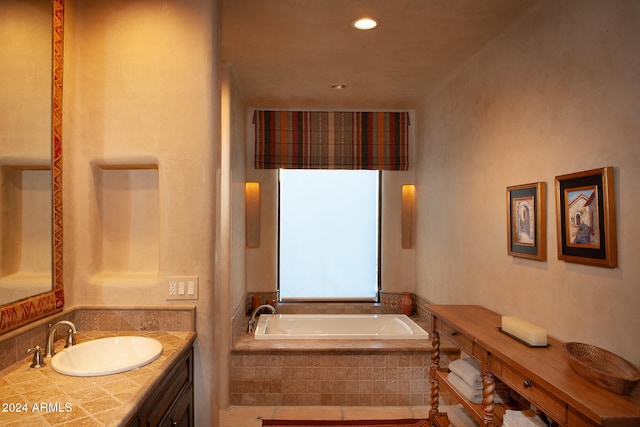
536 376
171 404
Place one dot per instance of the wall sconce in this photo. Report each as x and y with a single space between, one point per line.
252 213
408 214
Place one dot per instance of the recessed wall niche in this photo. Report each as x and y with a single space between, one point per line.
127 223
25 231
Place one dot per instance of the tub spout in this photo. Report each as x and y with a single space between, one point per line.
252 322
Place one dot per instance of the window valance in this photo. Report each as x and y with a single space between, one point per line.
331 140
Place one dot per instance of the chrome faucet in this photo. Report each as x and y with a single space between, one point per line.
49 352
252 322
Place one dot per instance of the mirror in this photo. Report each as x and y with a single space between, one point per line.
31 57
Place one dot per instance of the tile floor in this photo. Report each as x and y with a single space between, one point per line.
249 416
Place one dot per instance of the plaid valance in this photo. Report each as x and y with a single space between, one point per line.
331 140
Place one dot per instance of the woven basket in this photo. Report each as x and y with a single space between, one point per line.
602 367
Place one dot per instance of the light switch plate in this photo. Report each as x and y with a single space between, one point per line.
181 288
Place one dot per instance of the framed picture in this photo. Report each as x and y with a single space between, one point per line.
586 217
526 221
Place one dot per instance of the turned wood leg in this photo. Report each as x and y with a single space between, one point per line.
435 365
489 384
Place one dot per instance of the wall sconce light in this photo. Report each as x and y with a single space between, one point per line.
408 214
252 213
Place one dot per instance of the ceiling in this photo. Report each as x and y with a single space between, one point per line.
287 53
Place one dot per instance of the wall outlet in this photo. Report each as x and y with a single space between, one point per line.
182 288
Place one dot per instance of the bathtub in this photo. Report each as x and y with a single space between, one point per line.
338 326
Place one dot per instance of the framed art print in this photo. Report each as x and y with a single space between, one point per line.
586 218
526 221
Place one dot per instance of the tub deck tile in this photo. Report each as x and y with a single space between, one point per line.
246 343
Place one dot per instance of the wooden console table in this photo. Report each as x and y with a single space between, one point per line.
538 376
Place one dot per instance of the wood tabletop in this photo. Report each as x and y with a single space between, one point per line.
547 366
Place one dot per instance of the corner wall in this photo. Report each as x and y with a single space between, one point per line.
230 259
237 141
557 93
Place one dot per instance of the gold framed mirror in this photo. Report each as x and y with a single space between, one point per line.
19 313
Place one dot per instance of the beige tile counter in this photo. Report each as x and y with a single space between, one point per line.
247 343
43 397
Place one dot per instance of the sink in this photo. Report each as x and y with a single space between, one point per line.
106 356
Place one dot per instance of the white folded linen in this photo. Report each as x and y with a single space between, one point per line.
469 370
526 418
470 393
460 417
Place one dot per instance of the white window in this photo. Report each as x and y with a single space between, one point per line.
329 224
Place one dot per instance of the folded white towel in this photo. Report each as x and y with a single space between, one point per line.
469 370
460 417
471 394
526 418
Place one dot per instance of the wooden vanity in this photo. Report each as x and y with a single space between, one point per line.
171 403
538 376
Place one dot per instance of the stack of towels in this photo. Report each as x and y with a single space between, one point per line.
526 418
466 376
460 417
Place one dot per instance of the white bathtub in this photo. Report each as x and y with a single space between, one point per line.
338 326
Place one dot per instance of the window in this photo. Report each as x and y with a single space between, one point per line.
329 227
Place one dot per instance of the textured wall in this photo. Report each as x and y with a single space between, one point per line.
141 90
557 93
25 44
237 140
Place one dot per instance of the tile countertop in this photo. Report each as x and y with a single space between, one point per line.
43 397
247 343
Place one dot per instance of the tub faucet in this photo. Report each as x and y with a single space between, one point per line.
252 322
52 333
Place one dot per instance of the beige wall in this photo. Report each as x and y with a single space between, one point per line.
25 148
556 94
230 269
141 91
237 137
25 60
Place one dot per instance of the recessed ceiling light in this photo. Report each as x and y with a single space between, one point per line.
338 86
366 23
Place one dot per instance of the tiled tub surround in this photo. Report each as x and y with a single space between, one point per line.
46 398
332 372
389 303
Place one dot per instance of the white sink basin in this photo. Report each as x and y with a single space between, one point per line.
106 356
